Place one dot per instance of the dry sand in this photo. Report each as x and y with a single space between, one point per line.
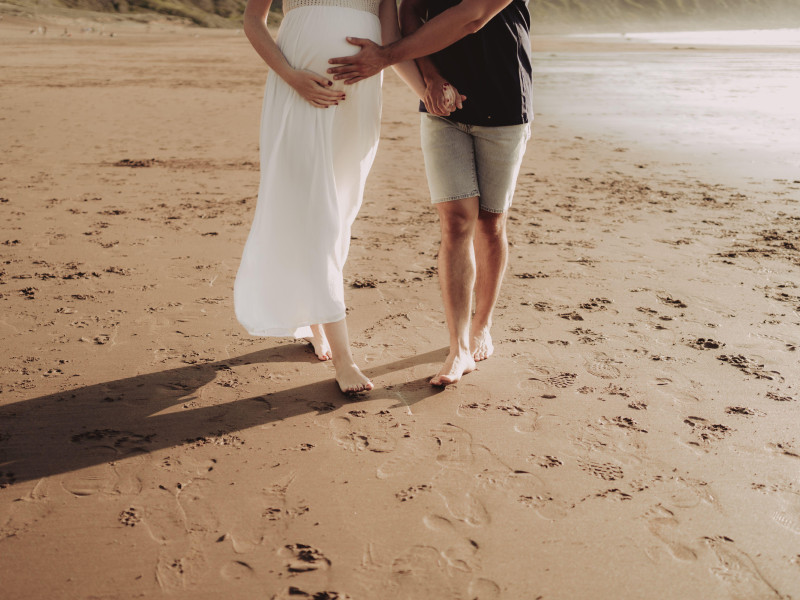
635 435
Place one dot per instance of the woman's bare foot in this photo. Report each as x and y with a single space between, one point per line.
457 364
320 343
482 346
351 379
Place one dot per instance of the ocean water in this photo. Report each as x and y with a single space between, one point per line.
734 107
787 38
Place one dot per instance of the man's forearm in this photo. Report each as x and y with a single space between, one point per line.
443 30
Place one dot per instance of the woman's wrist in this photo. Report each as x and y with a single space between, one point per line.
287 73
430 74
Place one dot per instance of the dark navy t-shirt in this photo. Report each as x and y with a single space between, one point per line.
491 67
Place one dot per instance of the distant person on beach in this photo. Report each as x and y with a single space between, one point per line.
317 147
473 145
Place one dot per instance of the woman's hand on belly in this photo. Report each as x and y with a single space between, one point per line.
315 89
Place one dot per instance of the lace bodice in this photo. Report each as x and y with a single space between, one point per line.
370 6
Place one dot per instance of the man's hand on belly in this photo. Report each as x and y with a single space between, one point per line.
369 61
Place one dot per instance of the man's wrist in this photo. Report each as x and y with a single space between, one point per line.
388 55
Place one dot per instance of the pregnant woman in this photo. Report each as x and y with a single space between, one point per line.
317 147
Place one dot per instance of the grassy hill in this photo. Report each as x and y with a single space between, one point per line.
548 15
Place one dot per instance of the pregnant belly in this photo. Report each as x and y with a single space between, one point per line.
309 36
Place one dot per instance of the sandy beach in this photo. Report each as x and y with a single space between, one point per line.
634 436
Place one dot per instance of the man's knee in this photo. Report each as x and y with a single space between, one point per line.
491 225
458 218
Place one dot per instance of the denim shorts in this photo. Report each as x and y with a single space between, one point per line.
464 161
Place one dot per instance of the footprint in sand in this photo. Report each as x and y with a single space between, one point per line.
789 515
295 593
607 471
200 513
562 380
181 560
609 447
462 555
458 490
277 508
455 446
527 422
246 525
237 570
114 458
473 409
411 454
483 589
661 522
363 431
530 491
98 479
180 571
163 517
183 522
601 367
302 558
691 492
130 517
419 570
499 483
741 574
439 524
23 514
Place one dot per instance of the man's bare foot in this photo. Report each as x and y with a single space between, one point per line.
351 379
456 365
320 343
482 347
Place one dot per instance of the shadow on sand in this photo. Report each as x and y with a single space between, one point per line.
49 435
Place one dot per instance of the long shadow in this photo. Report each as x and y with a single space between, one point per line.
50 435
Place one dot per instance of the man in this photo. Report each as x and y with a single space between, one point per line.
473 145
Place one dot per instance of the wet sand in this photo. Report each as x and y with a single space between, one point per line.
634 435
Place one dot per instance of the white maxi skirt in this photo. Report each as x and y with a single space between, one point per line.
314 165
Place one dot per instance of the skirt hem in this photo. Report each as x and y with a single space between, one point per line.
293 331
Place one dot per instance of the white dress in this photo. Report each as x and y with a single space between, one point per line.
314 164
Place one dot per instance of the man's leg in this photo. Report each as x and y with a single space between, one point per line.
491 252
458 219
498 156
